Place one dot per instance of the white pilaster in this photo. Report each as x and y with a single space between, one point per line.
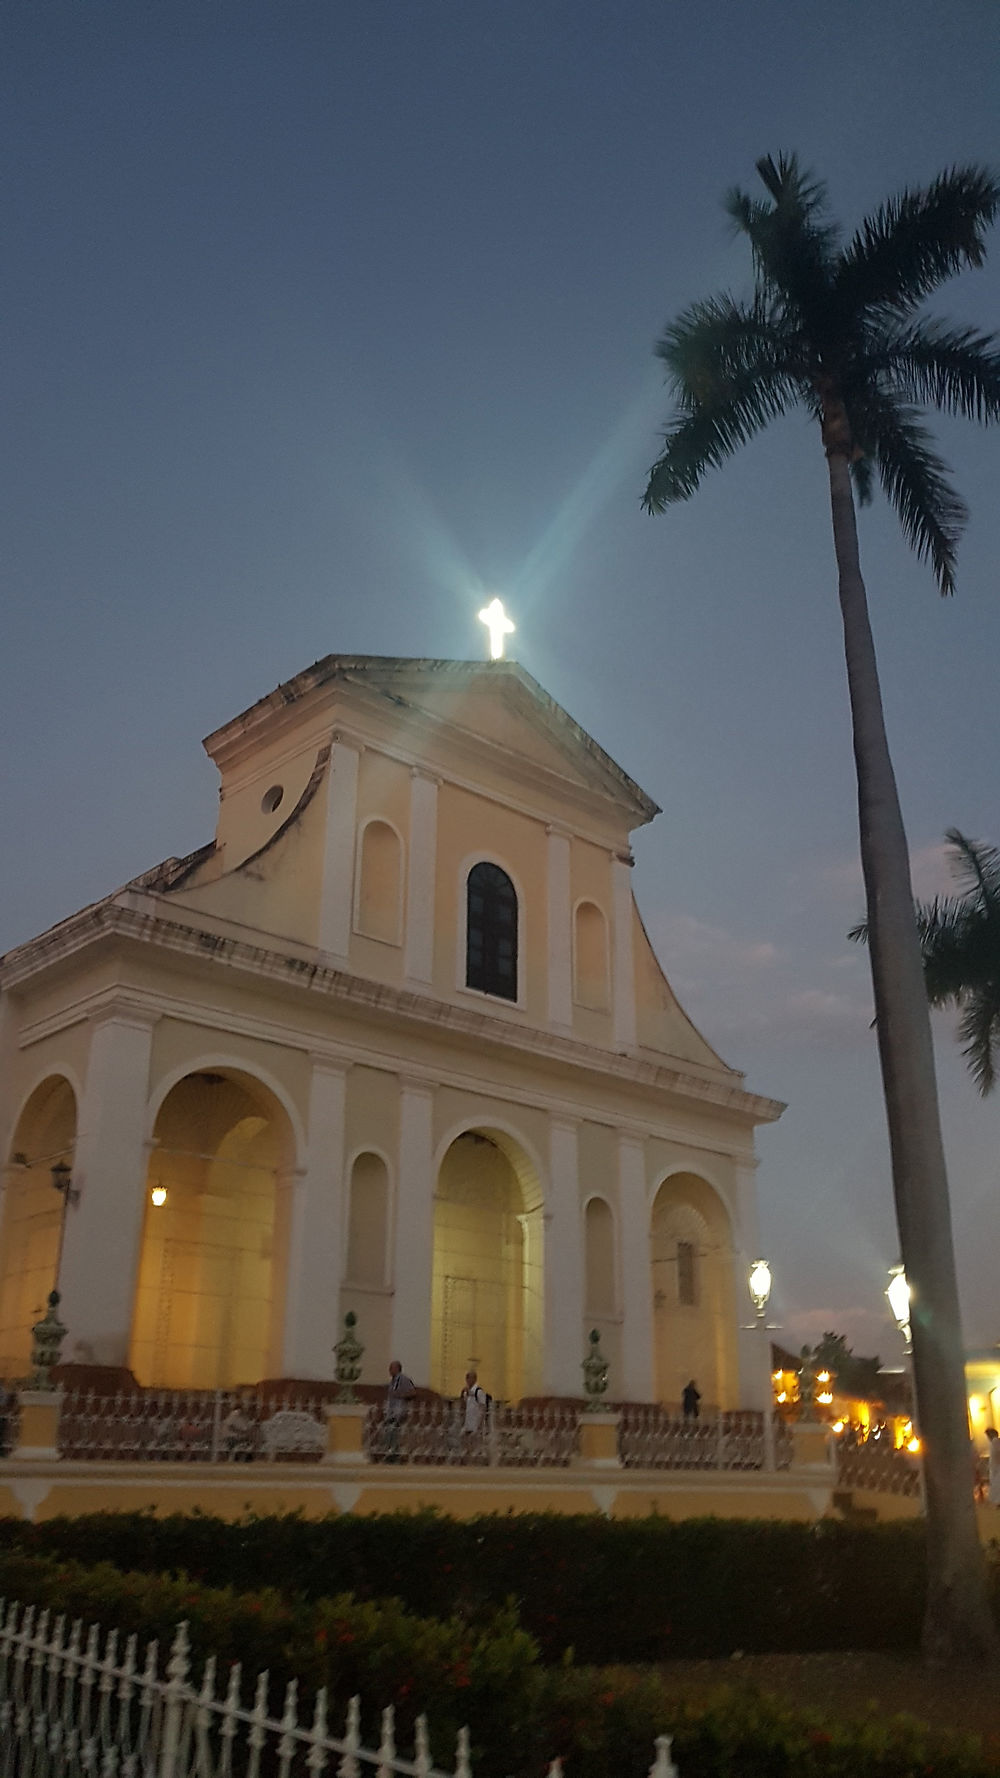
413 1241
637 1325
559 933
564 1294
100 1256
623 963
421 879
316 1234
338 851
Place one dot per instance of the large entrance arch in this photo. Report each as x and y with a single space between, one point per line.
33 1212
209 1308
691 1249
486 1300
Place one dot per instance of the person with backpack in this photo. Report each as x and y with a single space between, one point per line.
477 1402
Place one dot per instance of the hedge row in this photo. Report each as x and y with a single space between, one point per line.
601 1721
611 1590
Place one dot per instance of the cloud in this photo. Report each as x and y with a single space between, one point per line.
841 878
682 940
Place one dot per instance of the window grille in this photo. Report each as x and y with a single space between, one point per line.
491 932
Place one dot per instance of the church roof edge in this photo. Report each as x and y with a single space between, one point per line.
382 670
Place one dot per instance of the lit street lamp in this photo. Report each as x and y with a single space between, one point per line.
898 1293
759 1286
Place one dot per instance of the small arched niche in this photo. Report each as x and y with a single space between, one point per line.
599 1248
590 957
379 890
367 1221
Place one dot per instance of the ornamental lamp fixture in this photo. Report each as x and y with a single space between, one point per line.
759 1286
898 1293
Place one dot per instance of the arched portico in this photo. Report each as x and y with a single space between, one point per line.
487 1285
691 1252
33 1212
210 1298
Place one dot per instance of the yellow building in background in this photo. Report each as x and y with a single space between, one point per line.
394 1041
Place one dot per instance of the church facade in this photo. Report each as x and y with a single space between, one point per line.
395 1042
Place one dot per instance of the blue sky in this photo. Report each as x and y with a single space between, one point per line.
320 320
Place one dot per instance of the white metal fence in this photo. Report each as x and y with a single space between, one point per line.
876 1466
72 1706
520 1437
190 1426
652 1437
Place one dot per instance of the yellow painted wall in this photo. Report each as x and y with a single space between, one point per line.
471 826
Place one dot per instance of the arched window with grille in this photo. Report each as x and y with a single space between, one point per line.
491 932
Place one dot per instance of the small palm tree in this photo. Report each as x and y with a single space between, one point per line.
835 329
960 946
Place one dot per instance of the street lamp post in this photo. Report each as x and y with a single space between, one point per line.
759 1282
898 1293
62 1182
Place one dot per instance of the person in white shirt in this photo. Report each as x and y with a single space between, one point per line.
476 1402
994 1469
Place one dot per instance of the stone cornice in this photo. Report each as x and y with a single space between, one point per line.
112 922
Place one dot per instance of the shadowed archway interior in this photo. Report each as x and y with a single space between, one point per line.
486 1306
209 1308
32 1217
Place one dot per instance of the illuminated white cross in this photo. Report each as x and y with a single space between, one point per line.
499 625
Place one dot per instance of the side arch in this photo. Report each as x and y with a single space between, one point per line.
32 1219
210 1295
691 1265
488 1265
214 1062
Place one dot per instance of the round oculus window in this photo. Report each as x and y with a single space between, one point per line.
271 799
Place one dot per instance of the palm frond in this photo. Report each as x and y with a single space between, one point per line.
719 347
732 367
705 437
979 1034
919 239
943 927
956 369
794 248
914 477
978 865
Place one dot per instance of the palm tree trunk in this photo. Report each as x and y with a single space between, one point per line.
958 1624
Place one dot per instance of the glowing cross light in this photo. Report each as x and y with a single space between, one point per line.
499 625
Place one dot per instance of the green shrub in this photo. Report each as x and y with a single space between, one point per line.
631 1590
602 1721
380 1650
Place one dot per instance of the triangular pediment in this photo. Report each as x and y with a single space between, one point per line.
473 705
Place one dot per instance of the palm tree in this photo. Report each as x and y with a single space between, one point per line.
836 329
960 947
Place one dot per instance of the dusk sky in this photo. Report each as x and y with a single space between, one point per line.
321 320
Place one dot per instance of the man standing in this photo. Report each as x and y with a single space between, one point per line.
690 1397
477 1401
397 1406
